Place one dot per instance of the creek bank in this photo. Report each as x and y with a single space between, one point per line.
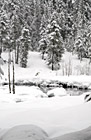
42 83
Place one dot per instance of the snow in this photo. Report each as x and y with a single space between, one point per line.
80 135
66 113
55 116
37 70
57 92
25 132
51 115
37 65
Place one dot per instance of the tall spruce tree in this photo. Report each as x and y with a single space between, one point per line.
24 47
54 42
35 26
4 28
82 19
42 42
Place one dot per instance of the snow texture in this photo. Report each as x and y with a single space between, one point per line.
56 116
25 132
57 92
80 135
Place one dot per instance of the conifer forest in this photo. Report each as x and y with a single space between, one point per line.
50 27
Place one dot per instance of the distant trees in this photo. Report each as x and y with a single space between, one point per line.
82 22
72 17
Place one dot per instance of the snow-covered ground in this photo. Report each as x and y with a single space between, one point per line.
80 135
56 115
25 132
37 70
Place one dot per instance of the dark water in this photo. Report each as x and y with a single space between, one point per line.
70 91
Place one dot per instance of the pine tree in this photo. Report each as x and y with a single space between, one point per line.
42 42
88 41
4 30
15 26
24 47
35 26
83 9
79 47
54 42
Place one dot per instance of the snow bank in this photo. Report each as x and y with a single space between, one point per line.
23 93
56 116
25 132
80 135
50 116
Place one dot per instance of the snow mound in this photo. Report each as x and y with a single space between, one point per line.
59 91
32 91
25 132
80 135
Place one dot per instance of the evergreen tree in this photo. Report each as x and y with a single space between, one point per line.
15 26
4 28
88 41
79 47
24 47
35 27
83 9
54 42
42 42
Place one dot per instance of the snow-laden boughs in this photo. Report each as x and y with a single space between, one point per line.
54 43
79 47
24 46
4 29
83 42
72 16
42 42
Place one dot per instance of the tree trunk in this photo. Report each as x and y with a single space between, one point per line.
1 45
17 55
13 89
52 61
9 72
43 55
90 61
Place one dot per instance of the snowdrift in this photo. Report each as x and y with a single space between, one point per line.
25 132
33 132
80 135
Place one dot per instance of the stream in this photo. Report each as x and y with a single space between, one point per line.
45 89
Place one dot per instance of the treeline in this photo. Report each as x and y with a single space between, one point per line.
48 26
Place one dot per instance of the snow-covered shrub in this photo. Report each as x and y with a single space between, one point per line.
66 68
83 69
